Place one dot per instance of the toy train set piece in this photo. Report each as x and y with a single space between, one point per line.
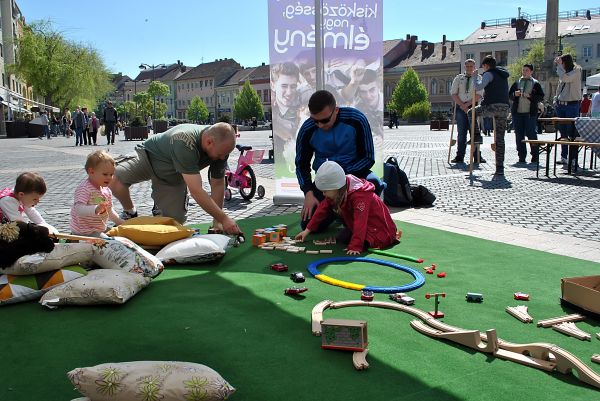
520 312
543 356
474 297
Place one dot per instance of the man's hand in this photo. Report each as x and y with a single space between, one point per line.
302 235
310 203
230 226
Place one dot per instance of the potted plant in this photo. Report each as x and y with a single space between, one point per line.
439 121
160 125
136 130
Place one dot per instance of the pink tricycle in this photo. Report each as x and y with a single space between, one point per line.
243 178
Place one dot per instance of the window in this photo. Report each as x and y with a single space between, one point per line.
434 87
587 51
206 83
470 56
448 85
598 50
266 96
188 85
1 50
258 92
502 57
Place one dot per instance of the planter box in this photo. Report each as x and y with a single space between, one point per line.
582 292
136 133
159 126
22 129
439 124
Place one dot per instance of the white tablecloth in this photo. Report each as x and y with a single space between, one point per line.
589 130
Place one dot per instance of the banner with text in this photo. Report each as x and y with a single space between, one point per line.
353 72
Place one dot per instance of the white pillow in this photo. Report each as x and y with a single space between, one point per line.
62 255
198 249
98 287
123 254
156 380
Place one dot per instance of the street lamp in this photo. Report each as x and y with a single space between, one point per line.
153 67
560 46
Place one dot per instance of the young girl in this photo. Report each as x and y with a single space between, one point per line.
20 201
366 217
93 199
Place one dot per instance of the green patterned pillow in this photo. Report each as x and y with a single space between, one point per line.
150 380
15 289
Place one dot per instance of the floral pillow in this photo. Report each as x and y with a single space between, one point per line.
98 287
146 380
198 249
15 289
122 254
62 255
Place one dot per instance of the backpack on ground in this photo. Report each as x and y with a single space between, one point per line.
397 193
421 196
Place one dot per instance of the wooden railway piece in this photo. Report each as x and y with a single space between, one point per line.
326 251
570 329
543 356
596 358
520 312
576 317
468 338
312 252
359 359
317 316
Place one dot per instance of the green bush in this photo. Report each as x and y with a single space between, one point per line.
417 112
137 121
224 118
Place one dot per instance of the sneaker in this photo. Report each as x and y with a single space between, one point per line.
125 215
457 160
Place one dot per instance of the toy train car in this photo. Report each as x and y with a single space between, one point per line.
474 297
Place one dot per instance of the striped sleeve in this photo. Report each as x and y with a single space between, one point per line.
304 155
365 150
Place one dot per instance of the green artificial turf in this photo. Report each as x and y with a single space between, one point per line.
233 316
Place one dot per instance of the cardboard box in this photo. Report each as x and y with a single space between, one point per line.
583 292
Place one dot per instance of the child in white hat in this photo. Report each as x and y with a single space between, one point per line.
365 215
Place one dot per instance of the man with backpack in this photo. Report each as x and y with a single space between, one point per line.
339 134
110 120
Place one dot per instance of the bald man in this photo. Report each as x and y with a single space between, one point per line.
172 160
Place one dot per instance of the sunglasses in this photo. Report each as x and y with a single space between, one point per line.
324 120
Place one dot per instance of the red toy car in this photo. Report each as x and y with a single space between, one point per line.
367 295
521 296
295 290
279 267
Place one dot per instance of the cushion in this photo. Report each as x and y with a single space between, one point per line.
151 230
98 287
146 380
198 249
15 289
122 254
62 255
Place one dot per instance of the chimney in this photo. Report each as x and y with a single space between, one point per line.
263 64
408 36
443 39
424 44
452 47
443 52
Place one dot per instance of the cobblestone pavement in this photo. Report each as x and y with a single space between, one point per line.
564 204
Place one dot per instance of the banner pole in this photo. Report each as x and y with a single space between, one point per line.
319 45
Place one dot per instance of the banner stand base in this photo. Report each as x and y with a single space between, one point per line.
288 199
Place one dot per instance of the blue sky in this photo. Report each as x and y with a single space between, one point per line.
130 32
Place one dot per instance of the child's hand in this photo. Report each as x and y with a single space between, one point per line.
102 208
351 252
302 236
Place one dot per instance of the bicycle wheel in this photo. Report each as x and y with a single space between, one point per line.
248 188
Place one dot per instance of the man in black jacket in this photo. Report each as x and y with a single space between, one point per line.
525 94
110 120
494 82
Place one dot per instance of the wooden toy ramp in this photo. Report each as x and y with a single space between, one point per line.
544 356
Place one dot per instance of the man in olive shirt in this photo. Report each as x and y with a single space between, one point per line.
172 160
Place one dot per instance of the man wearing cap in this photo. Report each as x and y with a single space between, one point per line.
340 134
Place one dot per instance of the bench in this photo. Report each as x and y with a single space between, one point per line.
547 145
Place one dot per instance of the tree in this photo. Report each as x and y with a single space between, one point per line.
535 57
143 102
248 104
197 112
158 89
65 73
408 91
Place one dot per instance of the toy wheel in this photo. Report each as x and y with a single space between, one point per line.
227 194
248 190
260 192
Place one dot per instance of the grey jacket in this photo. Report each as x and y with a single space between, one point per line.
569 86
